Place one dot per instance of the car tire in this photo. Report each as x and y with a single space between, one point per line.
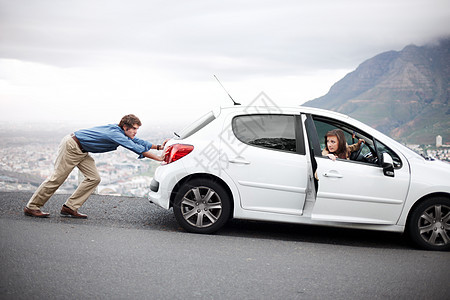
202 206
429 224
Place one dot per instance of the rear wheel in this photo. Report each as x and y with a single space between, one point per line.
429 225
202 206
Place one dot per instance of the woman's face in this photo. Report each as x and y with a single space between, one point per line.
332 143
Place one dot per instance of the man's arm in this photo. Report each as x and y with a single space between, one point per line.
153 156
160 147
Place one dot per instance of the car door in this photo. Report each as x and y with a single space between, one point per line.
265 157
358 191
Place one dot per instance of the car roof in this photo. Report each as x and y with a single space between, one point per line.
283 109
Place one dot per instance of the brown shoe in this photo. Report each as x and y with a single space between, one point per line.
67 211
35 213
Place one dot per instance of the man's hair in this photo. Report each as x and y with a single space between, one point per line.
341 152
129 121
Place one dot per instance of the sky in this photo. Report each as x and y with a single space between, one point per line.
93 61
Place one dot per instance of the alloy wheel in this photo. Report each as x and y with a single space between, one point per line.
434 225
201 207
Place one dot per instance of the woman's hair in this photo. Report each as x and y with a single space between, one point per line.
129 121
341 152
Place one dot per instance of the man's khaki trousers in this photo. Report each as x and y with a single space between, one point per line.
69 157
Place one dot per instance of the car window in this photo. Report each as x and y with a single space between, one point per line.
367 151
371 150
351 135
267 131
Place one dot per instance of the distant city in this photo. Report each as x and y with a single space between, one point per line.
26 163
24 168
438 151
27 156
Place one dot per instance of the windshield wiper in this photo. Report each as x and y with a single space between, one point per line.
427 157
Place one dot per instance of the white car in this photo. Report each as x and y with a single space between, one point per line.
266 163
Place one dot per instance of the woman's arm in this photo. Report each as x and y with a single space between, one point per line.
356 146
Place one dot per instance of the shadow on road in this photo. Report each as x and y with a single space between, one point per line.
138 213
315 234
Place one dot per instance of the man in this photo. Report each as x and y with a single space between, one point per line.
74 152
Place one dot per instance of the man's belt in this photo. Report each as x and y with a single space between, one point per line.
77 141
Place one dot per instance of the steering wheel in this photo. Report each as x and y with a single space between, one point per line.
370 158
355 155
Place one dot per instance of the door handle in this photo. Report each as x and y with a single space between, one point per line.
332 175
239 160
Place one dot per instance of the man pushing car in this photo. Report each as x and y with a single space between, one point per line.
74 152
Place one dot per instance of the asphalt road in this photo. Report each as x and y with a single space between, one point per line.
131 249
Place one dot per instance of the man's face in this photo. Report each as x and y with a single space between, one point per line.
131 131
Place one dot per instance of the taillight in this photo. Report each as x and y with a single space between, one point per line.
177 151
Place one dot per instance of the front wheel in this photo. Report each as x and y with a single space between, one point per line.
202 206
429 225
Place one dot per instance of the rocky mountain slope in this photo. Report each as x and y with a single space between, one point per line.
404 94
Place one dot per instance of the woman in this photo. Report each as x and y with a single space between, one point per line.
336 145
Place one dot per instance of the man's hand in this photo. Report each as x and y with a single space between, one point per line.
153 156
165 141
160 147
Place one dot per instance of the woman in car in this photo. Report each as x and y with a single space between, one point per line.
336 146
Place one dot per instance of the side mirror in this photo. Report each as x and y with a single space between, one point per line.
388 165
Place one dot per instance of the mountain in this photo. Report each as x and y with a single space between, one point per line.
404 94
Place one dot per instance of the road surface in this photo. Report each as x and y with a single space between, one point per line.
131 249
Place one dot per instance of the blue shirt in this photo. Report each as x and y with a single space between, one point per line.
107 138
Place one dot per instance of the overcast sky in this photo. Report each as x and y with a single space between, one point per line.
95 60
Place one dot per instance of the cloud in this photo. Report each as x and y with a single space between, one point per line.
283 36
102 57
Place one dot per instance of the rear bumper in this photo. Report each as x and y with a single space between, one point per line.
154 186
163 183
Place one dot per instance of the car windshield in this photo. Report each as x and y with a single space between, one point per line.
197 125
